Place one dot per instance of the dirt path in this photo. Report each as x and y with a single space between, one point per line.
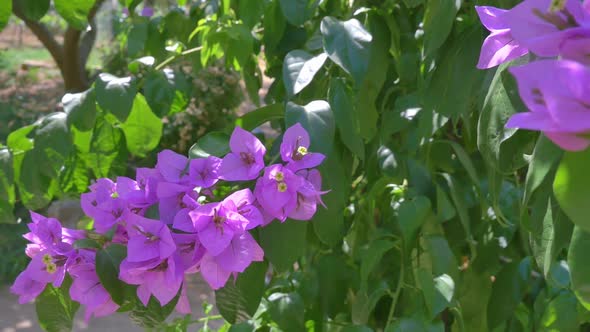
22 318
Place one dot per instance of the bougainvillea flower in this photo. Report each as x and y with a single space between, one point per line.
244 200
147 180
216 224
499 46
183 306
246 159
203 172
173 166
132 194
148 239
557 93
190 251
182 220
276 191
576 46
213 274
540 28
308 195
242 251
160 278
26 287
47 233
295 149
89 292
171 198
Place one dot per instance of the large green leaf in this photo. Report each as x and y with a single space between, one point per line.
107 149
108 261
257 117
5 12
55 309
346 116
507 292
7 192
215 143
34 9
317 118
299 68
372 257
348 45
545 158
81 109
561 313
454 87
137 36
411 216
287 309
438 22
75 12
115 94
283 243
298 11
238 301
579 268
142 129
572 187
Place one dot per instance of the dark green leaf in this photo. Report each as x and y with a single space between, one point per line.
107 148
438 22
55 309
287 311
372 257
7 192
561 313
34 10
346 116
81 109
283 243
215 143
299 68
298 11
456 82
239 301
544 159
411 216
108 261
257 117
137 37
86 244
347 44
115 94
74 11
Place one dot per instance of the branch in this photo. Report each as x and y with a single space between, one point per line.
42 33
89 36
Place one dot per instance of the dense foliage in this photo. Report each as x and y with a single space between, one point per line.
439 217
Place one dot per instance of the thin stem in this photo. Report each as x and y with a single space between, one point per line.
395 296
176 56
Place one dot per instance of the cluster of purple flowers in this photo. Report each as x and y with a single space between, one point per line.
556 88
196 231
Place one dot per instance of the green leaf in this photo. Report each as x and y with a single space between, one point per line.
7 192
283 243
137 36
411 216
159 93
346 116
335 279
81 109
115 94
239 301
75 12
317 118
299 68
298 11
257 117
571 187
154 313
5 12
55 308
455 85
215 143
438 292
142 129
388 163
545 158
34 10
274 26
371 258
501 147
108 261
507 292
438 22
107 149
348 45
287 309
250 12
561 313
87 244
579 268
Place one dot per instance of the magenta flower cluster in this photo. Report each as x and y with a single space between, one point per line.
196 231
556 88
